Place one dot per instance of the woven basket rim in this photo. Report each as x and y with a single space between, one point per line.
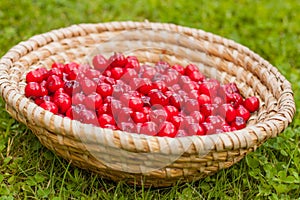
285 108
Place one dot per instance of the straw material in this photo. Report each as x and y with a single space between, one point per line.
136 159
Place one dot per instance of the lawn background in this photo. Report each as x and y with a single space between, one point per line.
270 28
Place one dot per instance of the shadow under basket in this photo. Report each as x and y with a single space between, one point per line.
136 158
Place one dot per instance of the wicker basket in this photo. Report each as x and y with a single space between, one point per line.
141 159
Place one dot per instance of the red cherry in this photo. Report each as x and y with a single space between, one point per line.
238 123
58 92
171 111
227 111
129 74
63 102
128 127
100 62
243 112
251 104
33 89
42 99
177 121
88 117
117 60
148 72
204 99
230 88
178 68
157 97
190 105
136 103
190 68
132 62
208 128
71 87
56 71
208 109
139 117
50 106
149 128
54 83
88 86
36 75
105 119
167 130
181 133
70 67
210 88
74 112
162 66
160 85
44 90
193 94
184 80
235 99
69 113
92 74
104 89
104 108
92 101
78 98
58 65
195 129
123 115
227 128
216 121
198 116
196 76
176 100
158 116
187 121
117 72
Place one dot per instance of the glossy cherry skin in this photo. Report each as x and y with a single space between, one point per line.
78 98
149 128
36 75
238 123
117 60
63 102
50 106
171 111
100 62
195 129
93 101
117 72
167 130
33 89
189 69
251 104
54 83
243 112
88 117
157 97
139 117
105 119
88 86
178 68
227 111
136 103
204 99
104 89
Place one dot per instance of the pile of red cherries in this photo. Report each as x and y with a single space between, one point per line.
160 99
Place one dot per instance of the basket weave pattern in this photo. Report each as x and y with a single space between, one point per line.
136 158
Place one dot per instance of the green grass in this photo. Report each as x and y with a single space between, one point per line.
270 28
